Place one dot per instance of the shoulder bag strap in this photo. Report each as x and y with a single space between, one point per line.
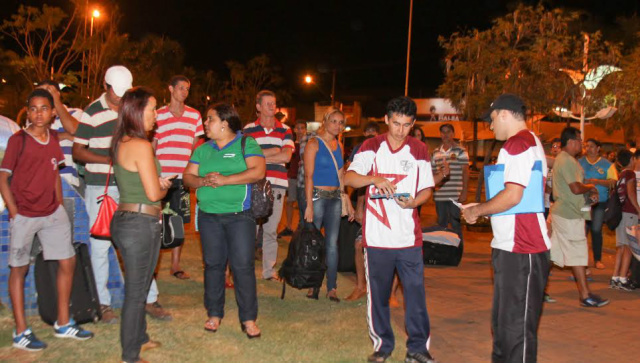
335 163
106 187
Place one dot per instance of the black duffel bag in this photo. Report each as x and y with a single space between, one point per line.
441 246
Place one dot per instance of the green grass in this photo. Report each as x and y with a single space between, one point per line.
295 329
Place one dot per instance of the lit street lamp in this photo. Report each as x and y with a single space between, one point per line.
94 14
308 79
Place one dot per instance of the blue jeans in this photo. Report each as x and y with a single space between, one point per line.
448 213
595 226
137 236
229 237
326 213
302 204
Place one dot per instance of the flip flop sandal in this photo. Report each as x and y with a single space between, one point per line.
181 275
212 325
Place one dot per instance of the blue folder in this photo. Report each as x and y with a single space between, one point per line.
533 197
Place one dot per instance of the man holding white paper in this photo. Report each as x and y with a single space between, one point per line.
520 255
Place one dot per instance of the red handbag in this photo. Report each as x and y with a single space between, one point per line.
102 226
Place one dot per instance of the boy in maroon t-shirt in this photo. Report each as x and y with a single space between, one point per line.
626 188
34 202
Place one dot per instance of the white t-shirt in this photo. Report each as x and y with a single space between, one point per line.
385 223
521 233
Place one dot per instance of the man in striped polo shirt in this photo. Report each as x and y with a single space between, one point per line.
276 141
91 147
66 123
179 129
455 184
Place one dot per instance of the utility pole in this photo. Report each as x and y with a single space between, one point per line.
406 80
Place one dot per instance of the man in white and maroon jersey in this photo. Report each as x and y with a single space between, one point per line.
179 129
520 243
391 234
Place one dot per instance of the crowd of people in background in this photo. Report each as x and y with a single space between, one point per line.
149 158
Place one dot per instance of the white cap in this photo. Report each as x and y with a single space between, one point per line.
119 78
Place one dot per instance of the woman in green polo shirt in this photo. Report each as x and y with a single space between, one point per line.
222 176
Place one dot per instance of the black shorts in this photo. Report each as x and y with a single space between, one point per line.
179 200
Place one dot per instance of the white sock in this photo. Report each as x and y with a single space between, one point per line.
615 278
623 280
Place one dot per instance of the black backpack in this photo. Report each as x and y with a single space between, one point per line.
261 194
305 264
613 209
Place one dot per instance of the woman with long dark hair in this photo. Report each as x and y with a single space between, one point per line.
135 228
222 172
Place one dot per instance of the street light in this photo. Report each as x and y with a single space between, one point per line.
94 14
308 79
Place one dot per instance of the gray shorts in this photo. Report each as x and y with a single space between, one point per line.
292 190
628 220
54 233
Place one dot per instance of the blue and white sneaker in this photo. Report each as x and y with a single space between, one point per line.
71 330
594 301
28 341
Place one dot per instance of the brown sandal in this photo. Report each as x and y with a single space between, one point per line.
181 275
250 328
212 324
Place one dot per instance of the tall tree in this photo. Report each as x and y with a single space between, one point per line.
153 60
524 53
529 52
13 86
246 80
48 37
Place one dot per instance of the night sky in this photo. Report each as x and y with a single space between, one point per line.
365 41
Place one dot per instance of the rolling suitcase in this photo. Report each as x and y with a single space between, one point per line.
84 306
346 241
441 246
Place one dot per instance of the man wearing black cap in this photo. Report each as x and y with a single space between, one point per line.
520 255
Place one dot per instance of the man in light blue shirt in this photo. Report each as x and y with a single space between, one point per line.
600 172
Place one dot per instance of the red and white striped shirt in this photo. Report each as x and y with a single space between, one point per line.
280 136
175 137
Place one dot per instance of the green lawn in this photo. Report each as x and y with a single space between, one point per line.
295 329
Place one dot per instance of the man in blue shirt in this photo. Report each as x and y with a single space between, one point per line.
600 172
